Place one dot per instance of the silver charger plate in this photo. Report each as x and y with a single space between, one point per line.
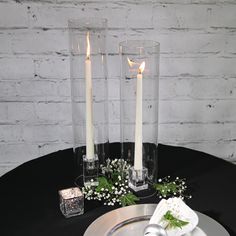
132 220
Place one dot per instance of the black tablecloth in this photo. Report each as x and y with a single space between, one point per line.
30 204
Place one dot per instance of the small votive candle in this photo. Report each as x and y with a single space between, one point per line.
71 202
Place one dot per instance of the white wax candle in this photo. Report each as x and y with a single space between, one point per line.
138 152
89 105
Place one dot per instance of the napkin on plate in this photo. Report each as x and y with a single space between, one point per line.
179 210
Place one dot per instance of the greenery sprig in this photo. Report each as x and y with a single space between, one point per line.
113 185
168 188
173 222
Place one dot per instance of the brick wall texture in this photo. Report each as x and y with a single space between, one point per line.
197 72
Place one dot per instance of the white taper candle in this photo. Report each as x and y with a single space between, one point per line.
89 105
138 152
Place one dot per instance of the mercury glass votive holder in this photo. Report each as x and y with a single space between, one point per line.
71 202
138 179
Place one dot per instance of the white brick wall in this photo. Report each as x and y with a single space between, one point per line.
197 84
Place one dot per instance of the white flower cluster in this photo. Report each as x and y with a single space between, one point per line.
109 196
117 165
113 185
168 188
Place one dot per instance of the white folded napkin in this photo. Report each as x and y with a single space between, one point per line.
179 210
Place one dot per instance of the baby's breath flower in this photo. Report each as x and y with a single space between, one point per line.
168 188
114 184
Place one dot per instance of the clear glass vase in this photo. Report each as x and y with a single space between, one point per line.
139 86
88 72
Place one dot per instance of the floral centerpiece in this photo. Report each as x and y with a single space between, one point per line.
113 185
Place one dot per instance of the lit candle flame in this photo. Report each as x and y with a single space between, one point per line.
141 67
88 46
131 63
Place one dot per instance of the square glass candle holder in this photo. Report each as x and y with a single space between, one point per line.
90 171
71 202
138 179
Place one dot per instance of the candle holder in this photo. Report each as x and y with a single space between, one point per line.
71 202
90 171
138 179
139 90
88 73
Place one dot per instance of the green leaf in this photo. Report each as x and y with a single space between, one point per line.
173 222
114 176
166 189
103 184
128 199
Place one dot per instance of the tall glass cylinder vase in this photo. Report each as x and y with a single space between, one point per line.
139 86
88 71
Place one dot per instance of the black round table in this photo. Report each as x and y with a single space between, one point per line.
30 204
